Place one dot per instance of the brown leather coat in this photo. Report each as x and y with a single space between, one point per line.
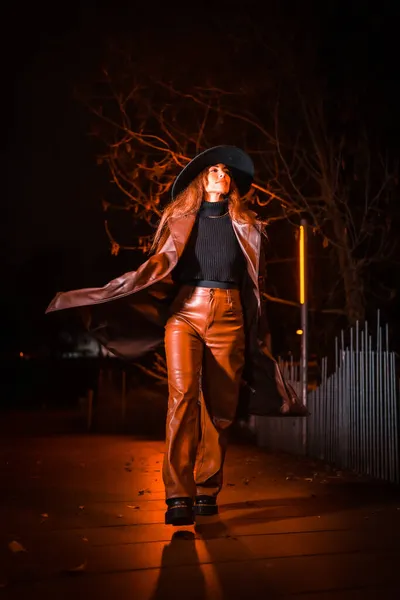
128 315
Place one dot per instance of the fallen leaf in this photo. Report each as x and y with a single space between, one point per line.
78 569
16 547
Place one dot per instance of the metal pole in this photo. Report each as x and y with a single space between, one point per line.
304 321
304 310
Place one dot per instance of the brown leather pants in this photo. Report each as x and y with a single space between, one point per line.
204 341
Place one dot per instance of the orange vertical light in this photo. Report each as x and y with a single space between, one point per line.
302 268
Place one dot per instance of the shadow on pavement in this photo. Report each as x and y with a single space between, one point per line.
240 579
190 583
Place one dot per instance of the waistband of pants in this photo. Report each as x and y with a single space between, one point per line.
204 283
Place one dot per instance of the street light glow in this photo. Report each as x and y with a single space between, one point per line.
302 269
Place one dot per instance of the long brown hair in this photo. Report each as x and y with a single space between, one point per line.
188 202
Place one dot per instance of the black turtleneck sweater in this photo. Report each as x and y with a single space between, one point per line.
212 252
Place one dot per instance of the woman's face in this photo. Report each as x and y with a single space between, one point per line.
218 179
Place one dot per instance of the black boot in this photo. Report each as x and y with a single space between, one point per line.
206 506
179 512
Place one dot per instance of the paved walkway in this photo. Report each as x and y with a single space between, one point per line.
82 516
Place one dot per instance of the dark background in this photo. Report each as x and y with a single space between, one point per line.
52 228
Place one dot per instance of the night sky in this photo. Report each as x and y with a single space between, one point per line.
52 234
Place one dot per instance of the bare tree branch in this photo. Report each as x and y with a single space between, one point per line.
307 166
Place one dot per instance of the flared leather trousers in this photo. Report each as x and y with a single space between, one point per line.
204 341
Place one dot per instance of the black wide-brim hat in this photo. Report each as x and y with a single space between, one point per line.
239 163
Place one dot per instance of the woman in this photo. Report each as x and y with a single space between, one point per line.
207 265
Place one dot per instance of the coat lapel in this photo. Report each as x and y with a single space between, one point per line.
249 239
180 229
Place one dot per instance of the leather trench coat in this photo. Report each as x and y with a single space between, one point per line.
128 315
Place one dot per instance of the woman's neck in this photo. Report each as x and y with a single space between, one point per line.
213 196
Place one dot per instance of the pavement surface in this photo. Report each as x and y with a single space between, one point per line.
82 515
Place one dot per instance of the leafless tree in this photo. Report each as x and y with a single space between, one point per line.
312 159
345 187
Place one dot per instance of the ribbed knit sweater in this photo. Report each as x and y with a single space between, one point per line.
212 251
